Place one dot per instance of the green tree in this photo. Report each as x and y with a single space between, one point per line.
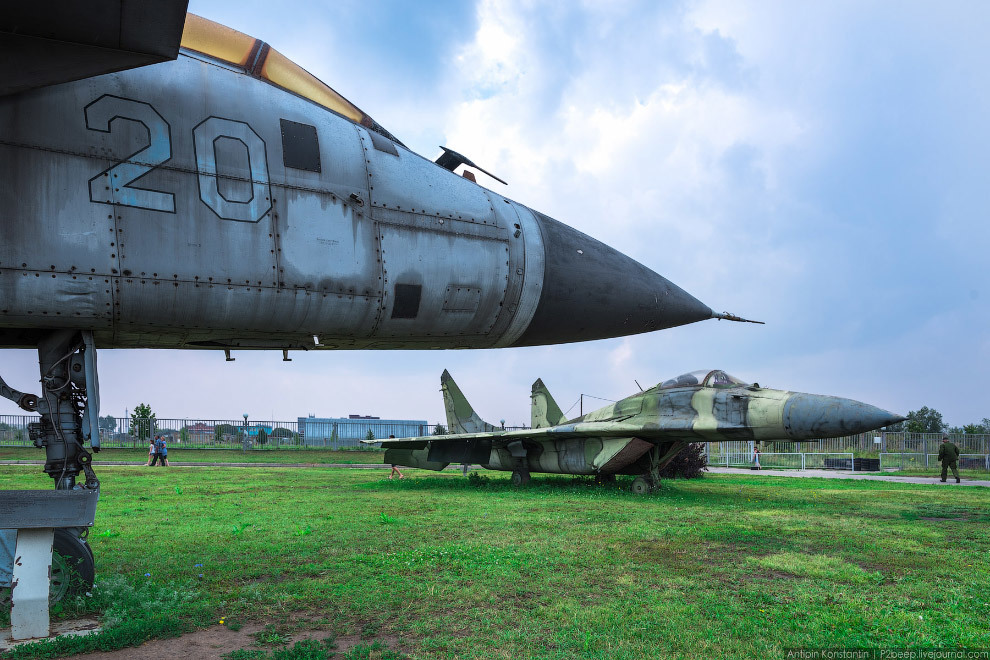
281 435
439 429
925 420
142 421
184 434
370 435
222 431
262 436
108 423
977 429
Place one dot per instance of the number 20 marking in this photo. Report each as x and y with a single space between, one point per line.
114 185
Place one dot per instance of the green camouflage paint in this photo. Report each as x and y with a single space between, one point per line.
637 435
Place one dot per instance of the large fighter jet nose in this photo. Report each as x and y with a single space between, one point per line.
811 416
592 291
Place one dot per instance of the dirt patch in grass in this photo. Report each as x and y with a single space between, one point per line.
215 642
209 644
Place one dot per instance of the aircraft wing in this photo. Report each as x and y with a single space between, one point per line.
47 43
611 429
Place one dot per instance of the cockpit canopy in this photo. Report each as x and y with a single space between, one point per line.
258 59
705 377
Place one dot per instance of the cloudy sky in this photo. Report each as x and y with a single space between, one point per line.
819 166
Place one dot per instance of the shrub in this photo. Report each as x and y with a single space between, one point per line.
690 463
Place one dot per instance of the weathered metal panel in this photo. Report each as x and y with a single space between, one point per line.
437 260
21 509
42 214
409 182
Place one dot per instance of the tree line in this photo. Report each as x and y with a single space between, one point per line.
929 420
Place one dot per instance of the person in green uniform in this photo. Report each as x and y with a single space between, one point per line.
948 455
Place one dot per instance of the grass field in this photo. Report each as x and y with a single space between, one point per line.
215 455
438 566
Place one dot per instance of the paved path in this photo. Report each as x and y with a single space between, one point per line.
821 474
837 474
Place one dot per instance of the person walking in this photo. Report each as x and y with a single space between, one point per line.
948 455
756 457
156 454
151 451
395 470
163 451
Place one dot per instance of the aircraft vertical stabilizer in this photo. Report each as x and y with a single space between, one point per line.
461 417
545 411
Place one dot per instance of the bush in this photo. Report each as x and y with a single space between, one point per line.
478 479
689 464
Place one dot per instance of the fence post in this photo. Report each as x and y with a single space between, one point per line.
802 460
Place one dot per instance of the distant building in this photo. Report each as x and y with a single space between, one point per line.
351 430
199 433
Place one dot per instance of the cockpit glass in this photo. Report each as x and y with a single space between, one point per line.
720 379
709 378
685 380
263 62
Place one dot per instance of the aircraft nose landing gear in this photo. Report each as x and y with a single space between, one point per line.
69 415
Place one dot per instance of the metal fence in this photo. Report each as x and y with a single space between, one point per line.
784 460
220 433
915 461
867 444
878 442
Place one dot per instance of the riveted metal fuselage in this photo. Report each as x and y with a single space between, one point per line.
189 205
167 206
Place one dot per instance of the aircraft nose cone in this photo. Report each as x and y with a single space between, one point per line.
811 416
592 291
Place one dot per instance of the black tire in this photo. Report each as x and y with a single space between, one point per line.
73 568
640 486
520 478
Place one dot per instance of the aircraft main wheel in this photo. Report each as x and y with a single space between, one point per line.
640 486
73 568
520 478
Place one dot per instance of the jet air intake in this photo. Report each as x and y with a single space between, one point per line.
592 291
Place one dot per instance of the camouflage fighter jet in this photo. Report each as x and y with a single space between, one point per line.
638 435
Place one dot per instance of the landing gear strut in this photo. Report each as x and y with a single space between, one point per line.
69 409
68 405
520 475
650 481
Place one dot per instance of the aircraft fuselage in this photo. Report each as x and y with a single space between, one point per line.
190 205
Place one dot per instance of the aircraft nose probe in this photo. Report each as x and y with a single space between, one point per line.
726 316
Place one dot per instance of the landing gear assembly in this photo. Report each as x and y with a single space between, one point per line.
520 477
659 457
46 521
69 406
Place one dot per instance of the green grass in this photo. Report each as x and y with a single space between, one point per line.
935 472
317 456
435 566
